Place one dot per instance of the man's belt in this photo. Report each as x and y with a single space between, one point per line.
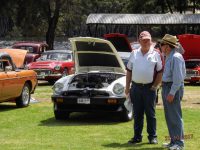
142 84
166 82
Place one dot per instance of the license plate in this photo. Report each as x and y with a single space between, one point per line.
187 78
83 100
41 75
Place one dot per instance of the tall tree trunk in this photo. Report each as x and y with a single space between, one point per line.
194 7
180 6
169 6
52 22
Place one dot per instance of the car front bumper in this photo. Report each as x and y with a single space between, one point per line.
192 79
92 104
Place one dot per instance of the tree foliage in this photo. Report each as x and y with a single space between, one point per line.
51 18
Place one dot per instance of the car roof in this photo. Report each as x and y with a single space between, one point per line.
29 44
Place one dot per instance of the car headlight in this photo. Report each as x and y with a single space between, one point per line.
57 88
118 88
57 67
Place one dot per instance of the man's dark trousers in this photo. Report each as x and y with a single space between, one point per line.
144 100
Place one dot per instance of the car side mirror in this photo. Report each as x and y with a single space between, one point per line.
8 68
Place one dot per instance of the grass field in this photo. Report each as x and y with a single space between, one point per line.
34 127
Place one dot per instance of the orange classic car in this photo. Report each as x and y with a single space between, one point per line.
15 85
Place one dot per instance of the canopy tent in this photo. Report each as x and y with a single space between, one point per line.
143 19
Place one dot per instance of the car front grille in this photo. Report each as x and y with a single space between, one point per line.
192 72
43 72
90 93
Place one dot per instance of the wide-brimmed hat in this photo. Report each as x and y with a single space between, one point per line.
169 39
145 35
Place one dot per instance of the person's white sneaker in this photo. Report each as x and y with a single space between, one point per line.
176 147
167 145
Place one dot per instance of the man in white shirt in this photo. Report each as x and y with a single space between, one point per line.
144 74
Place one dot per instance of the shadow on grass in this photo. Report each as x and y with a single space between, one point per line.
7 107
192 84
78 119
133 146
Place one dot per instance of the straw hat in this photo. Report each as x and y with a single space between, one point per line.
170 39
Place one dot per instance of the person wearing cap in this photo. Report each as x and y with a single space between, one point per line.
172 91
144 74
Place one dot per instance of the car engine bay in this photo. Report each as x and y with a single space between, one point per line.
94 80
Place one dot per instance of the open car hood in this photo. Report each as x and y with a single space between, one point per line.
94 54
191 45
120 41
17 55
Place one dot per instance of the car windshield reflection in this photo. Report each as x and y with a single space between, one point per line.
192 64
56 56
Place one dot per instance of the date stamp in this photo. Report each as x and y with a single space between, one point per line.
185 137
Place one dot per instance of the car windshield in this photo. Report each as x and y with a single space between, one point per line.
192 64
56 56
30 49
3 65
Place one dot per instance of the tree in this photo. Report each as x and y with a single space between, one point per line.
52 11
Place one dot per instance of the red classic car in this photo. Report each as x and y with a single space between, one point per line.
15 84
191 45
53 64
192 70
35 49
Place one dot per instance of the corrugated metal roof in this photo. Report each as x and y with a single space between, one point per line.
143 19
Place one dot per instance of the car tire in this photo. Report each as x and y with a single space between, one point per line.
24 99
51 81
60 115
193 82
126 115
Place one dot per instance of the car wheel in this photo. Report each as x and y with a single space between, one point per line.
51 81
60 115
126 115
24 99
193 82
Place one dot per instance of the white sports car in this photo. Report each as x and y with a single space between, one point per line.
98 83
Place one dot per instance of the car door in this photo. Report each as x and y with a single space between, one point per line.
10 82
2 83
2 80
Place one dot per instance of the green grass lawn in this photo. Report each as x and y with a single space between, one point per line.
34 128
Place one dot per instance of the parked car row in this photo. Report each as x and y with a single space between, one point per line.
49 65
89 77
97 84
